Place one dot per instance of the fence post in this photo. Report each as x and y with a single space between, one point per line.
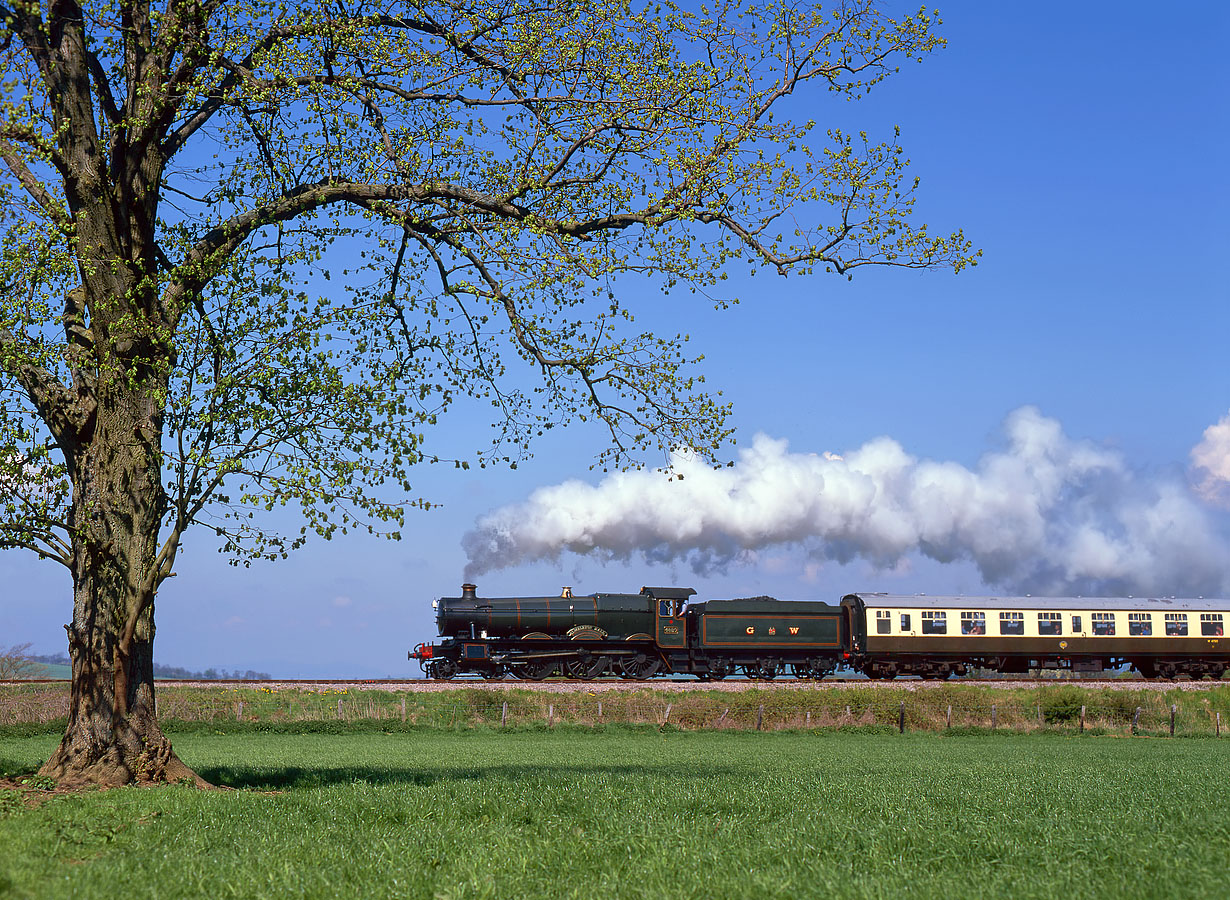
339 707
239 712
1172 712
504 714
1136 721
403 709
901 719
759 716
993 717
948 717
550 715
1082 720
599 709
847 710
1041 724
1218 732
722 717
808 721
666 716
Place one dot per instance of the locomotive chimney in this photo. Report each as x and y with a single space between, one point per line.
566 592
468 592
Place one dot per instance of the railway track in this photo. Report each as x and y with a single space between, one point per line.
682 683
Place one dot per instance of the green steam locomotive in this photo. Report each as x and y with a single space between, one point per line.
658 631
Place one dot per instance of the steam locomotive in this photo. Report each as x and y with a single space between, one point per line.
658 631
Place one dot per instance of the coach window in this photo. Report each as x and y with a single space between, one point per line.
1176 624
1012 623
1104 624
1211 625
934 622
884 621
1050 624
973 623
1076 625
905 622
1140 624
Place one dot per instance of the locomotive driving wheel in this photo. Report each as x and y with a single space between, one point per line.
638 667
586 667
533 670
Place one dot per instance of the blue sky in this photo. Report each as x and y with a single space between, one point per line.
1081 146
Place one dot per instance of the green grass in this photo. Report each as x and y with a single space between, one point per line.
623 813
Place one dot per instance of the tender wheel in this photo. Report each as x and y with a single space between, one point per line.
495 673
762 669
719 668
639 667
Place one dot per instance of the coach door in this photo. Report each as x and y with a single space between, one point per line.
671 631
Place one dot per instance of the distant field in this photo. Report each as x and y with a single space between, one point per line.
638 813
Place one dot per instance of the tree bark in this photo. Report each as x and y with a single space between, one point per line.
113 736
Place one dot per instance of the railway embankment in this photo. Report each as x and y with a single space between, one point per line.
1126 707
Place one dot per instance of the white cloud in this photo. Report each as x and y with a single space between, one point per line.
1045 514
1211 463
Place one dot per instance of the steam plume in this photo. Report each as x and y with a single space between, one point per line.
1047 514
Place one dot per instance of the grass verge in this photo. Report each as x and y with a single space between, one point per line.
630 814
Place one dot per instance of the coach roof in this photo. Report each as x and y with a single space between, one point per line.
1133 604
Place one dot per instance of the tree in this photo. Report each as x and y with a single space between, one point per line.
253 252
16 663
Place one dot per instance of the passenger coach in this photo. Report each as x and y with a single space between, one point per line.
940 636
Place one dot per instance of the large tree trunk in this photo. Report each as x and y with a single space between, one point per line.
113 736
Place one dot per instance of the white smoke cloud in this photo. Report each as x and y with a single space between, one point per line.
1211 463
1047 514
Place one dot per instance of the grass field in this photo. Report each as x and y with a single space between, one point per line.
639 813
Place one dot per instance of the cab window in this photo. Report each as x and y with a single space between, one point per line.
664 609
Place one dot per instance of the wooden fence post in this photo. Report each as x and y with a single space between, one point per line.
948 717
1041 724
901 719
1173 708
1082 720
993 718
1136 721
504 714
599 709
666 716
808 720
550 715
722 717
1218 732
239 712
759 716
339 707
